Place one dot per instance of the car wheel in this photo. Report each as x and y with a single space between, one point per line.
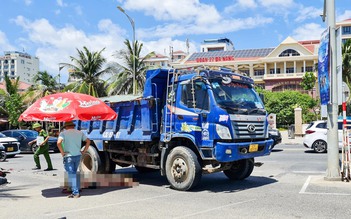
320 146
34 147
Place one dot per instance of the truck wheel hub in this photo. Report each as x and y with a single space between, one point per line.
179 169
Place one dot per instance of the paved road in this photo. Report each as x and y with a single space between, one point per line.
289 185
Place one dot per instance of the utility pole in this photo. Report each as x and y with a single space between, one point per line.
333 171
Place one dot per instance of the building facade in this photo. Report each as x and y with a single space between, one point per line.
18 64
276 69
345 29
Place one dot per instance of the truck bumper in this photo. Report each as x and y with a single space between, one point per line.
228 152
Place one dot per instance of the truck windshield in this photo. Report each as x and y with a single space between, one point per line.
238 98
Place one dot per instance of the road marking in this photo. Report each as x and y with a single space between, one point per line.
223 206
109 205
305 185
309 172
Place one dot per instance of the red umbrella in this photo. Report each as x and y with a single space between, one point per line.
66 107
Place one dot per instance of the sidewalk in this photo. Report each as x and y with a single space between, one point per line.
287 140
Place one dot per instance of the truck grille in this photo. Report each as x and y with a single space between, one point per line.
241 129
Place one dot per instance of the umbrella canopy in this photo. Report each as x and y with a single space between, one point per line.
68 106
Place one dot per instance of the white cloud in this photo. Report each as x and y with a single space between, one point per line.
162 46
310 31
305 13
179 10
4 43
27 2
240 5
225 26
56 45
276 3
343 16
61 3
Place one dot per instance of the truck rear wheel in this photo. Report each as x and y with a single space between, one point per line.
107 165
183 170
240 169
90 161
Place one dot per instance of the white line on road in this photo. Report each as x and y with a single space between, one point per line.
115 204
224 206
305 185
309 172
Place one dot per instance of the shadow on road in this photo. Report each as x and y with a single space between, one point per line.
7 192
216 182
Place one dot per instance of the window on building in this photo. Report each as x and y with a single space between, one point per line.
6 72
12 61
22 61
346 30
271 71
344 41
258 72
6 62
309 68
6 67
246 71
12 66
289 52
12 73
289 70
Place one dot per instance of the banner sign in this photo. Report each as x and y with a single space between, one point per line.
323 68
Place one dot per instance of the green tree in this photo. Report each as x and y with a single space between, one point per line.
88 68
12 101
308 81
346 62
284 103
122 82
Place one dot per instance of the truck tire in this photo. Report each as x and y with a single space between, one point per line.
90 161
183 170
240 169
107 165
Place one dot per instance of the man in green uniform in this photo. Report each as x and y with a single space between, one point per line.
43 147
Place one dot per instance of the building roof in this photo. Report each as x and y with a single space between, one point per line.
244 53
22 86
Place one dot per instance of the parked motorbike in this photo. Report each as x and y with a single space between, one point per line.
2 153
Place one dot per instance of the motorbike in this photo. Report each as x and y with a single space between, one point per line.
2 153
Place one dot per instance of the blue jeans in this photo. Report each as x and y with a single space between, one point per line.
71 164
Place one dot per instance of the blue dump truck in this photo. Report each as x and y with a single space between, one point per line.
187 123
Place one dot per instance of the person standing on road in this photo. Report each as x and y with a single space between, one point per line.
72 140
43 147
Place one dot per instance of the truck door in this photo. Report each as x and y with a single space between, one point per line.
192 114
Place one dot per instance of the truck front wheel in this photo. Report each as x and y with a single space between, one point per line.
183 170
240 169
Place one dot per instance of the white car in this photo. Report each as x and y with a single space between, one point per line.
11 145
316 136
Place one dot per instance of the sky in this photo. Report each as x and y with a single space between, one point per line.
53 30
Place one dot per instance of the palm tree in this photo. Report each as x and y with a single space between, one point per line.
122 82
45 84
88 68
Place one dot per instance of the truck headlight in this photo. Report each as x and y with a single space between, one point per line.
223 132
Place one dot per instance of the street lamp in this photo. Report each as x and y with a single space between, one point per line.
133 26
